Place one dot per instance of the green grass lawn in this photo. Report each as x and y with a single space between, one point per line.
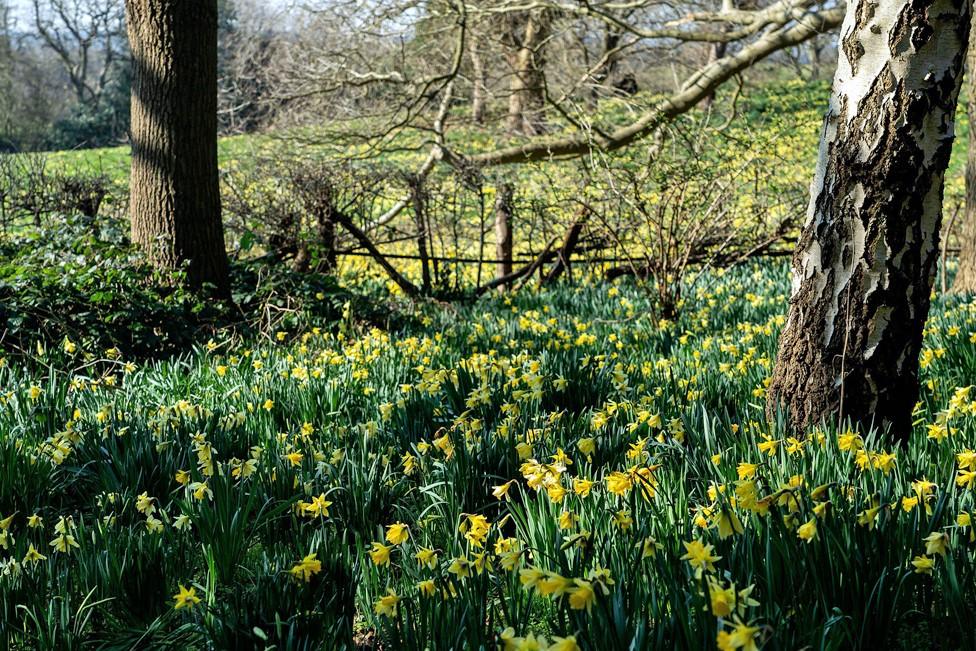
794 106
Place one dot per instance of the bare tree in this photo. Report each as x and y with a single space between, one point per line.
965 281
526 35
379 76
674 220
88 37
479 81
6 79
865 262
248 38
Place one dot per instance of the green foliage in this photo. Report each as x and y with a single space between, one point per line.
555 469
66 282
79 280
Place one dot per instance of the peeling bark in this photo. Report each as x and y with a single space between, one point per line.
866 259
174 190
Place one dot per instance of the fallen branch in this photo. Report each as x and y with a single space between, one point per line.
408 287
697 87
546 255
567 249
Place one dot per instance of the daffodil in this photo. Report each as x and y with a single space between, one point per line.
387 604
581 595
318 507
397 533
185 598
936 543
808 530
923 564
380 554
501 492
699 556
33 556
306 568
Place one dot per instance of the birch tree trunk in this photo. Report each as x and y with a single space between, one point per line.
174 190
965 281
866 258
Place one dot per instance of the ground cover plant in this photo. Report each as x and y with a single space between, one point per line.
554 469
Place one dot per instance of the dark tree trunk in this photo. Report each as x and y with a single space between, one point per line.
603 77
174 191
866 258
965 281
565 255
503 230
315 188
527 36
326 227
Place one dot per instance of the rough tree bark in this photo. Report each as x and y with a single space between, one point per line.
174 191
527 35
965 281
503 231
865 261
603 77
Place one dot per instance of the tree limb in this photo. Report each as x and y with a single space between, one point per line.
692 92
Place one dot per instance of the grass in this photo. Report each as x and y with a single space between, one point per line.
792 109
557 468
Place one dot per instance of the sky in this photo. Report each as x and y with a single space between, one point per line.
21 9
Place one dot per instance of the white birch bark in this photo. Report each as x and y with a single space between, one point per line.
865 262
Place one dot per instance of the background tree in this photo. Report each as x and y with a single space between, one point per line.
174 188
865 262
32 98
965 281
6 79
246 47
87 38
526 36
